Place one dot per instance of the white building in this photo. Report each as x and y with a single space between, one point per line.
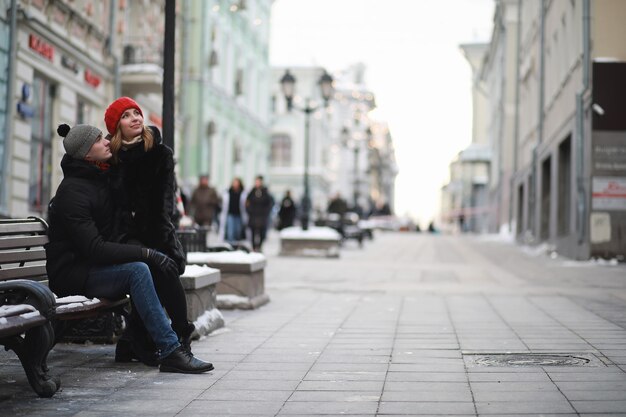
61 73
225 87
287 150
350 153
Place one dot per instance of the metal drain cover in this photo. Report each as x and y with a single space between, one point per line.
530 359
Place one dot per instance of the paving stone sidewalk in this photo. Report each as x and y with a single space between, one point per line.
404 326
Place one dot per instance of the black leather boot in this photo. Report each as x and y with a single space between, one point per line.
136 345
182 361
186 336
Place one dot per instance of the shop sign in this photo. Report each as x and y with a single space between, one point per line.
608 193
158 121
92 79
42 48
69 63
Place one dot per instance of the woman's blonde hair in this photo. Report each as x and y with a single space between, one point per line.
117 141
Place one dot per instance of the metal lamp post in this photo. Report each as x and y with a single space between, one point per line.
288 82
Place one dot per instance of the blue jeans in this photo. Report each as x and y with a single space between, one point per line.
233 228
115 281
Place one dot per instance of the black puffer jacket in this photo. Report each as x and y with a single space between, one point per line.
149 187
259 205
82 226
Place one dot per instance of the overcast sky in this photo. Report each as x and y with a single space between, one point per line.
421 80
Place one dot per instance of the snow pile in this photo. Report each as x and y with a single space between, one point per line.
590 262
208 320
313 233
69 306
195 271
235 257
11 310
72 299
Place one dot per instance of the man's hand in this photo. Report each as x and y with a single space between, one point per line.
161 261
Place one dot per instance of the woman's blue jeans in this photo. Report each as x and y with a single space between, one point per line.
233 228
134 278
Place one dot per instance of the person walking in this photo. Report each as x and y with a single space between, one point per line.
204 202
258 206
287 211
148 201
233 216
83 257
339 207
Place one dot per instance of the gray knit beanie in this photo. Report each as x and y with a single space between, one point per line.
78 139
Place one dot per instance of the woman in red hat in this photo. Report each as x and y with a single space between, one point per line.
146 167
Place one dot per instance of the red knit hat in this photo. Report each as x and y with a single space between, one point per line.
114 112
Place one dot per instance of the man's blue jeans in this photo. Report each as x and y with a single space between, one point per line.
115 281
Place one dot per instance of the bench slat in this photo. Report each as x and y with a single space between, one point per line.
28 272
80 311
22 228
17 324
9 310
23 241
16 256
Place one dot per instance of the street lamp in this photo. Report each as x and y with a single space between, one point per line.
288 83
354 142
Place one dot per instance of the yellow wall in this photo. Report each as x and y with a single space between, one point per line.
608 29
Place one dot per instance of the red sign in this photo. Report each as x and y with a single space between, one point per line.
156 120
42 48
92 79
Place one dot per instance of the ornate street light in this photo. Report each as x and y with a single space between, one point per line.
288 83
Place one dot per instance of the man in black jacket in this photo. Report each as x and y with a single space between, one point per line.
81 259
258 205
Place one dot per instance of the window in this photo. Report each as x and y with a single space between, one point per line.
40 145
280 153
237 156
239 82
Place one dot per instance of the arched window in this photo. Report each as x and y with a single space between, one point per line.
281 150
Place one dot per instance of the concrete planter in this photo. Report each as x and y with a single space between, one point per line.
200 284
242 284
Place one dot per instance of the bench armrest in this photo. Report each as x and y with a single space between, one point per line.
23 291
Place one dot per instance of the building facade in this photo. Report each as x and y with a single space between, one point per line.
498 75
465 199
572 178
557 130
287 141
5 103
60 73
225 88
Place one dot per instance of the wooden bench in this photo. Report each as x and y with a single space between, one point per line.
31 318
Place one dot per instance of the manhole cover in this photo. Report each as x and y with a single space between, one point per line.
529 359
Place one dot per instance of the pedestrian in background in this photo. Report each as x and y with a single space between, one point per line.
258 205
204 202
147 197
233 217
337 209
84 256
287 211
